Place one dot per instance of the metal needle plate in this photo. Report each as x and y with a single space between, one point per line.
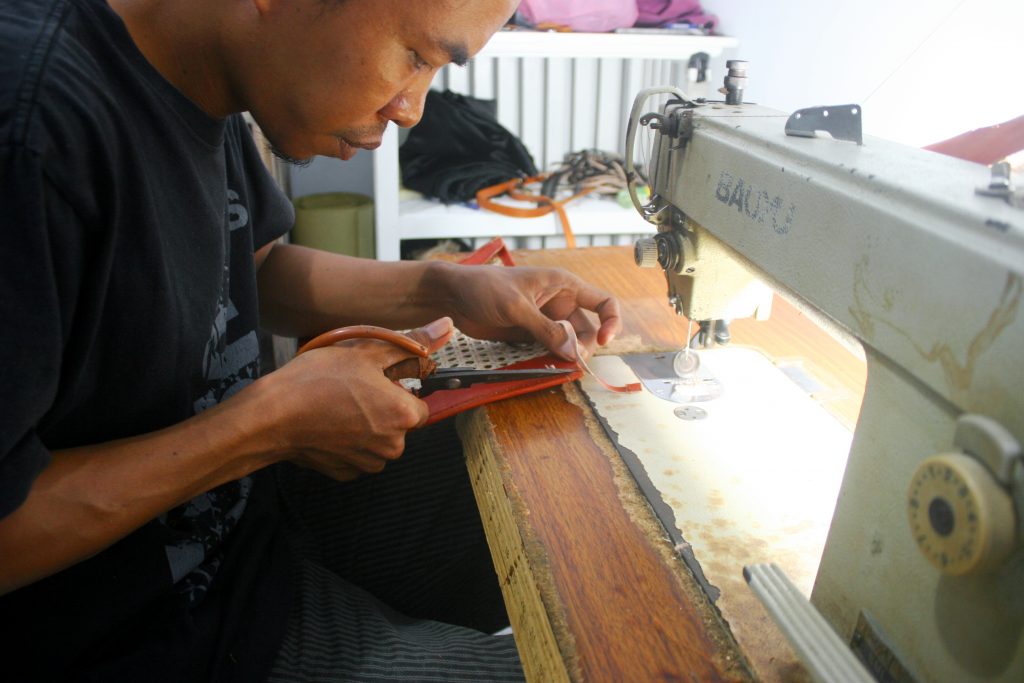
656 372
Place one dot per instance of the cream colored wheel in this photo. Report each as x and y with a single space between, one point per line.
961 518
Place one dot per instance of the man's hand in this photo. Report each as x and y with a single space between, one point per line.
304 292
522 304
339 414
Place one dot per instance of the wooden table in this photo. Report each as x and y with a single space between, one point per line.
594 589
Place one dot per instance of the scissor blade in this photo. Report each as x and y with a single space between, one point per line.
460 378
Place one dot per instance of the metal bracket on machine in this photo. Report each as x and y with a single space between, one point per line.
1001 185
842 122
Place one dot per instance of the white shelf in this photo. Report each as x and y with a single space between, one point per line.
604 45
425 218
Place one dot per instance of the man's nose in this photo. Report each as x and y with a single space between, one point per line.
406 108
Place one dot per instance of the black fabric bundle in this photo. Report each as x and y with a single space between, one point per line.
459 148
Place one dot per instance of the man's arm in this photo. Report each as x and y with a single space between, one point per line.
89 497
331 409
304 292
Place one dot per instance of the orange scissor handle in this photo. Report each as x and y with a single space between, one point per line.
365 332
419 367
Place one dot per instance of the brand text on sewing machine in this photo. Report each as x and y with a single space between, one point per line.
758 205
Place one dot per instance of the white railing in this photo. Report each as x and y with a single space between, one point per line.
558 93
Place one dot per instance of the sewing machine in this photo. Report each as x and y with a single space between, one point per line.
920 258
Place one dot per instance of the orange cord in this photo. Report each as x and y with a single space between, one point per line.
545 204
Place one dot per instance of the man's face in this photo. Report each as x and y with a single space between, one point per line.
328 75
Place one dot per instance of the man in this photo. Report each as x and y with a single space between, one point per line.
153 525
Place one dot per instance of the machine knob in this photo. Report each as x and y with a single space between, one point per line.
962 519
735 81
645 252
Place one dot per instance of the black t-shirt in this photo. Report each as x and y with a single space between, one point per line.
128 222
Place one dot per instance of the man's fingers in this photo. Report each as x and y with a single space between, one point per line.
409 367
549 333
607 308
434 335
574 295
586 333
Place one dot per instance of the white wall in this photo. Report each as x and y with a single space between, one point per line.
923 70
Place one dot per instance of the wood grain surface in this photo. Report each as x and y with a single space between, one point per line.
594 589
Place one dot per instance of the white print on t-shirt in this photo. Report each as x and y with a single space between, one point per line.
228 367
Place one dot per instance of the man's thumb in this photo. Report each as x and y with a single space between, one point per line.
434 335
556 335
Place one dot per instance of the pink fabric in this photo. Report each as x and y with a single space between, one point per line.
658 12
594 16
985 145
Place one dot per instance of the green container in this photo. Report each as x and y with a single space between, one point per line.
341 222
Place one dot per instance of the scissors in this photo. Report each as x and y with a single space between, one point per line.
460 378
431 378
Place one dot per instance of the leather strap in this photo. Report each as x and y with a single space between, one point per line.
545 205
495 249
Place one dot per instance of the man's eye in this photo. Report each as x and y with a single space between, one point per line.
417 61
